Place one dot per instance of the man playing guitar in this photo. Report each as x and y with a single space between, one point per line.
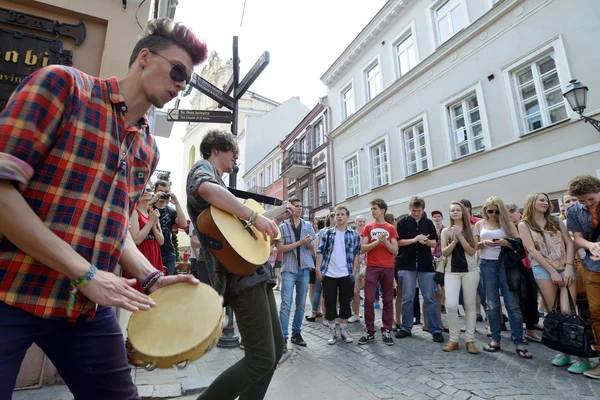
251 297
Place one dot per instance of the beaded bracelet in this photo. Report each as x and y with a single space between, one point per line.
150 276
152 281
253 215
78 283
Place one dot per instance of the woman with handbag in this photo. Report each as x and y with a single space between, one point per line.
552 253
491 233
458 248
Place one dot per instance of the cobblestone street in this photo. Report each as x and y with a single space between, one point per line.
414 368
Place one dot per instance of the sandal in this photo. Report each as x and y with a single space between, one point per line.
523 354
319 315
491 348
310 319
536 338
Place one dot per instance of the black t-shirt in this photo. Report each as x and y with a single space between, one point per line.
167 218
459 259
416 256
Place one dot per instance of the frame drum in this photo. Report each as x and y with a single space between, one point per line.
185 324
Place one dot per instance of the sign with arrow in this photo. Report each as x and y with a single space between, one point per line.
207 88
251 76
217 117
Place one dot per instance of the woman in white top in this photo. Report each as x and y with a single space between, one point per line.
491 233
459 247
552 255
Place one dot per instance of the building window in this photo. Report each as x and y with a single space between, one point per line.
539 94
253 182
305 203
261 179
247 186
319 135
277 169
373 77
379 165
304 145
347 102
415 148
467 130
351 169
405 55
269 175
322 190
450 18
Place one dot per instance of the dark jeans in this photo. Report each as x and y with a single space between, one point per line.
529 304
331 287
256 315
169 262
89 355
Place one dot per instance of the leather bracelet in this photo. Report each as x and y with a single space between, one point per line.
152 281
77 284
150 276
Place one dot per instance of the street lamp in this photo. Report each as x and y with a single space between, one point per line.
577 98
322 198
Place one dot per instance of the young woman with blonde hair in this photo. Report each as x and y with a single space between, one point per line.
459 247
491 233
552 255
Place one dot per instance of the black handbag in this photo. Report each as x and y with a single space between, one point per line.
569 334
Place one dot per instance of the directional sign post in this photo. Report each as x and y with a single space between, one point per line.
217 117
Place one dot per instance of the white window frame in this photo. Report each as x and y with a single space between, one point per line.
370 147
345 160
269 176
277 169
261 179
555 46
253 182
409 124
375 62
433 20
405 33
348 86
322 134
477 88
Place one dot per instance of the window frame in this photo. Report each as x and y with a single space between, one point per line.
433 20
277 169
411 123
401 37
269 175
375 62
556 46
345 160
322 134
346 88
381 140
319 179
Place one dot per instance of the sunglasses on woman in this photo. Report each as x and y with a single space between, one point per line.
178 72
148 190
497 212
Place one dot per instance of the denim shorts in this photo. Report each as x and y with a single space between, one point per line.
540 272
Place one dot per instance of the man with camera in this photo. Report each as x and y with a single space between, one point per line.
169 216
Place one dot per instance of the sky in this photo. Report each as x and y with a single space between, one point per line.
303 38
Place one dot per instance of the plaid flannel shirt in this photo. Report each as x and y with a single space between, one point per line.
64 144
352 247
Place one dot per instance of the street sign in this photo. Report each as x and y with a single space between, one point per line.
251 76
229 86
217 117
204 86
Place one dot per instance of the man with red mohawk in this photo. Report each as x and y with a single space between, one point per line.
75 157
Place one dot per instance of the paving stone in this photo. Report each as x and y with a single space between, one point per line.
449 390
145 391
166 391
196 385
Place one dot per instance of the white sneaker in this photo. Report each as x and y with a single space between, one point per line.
332 337
345 335
354 318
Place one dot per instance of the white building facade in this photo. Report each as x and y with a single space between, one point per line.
452 99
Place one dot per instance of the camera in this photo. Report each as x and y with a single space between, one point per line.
165 196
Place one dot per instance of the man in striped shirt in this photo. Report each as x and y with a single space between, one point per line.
75 157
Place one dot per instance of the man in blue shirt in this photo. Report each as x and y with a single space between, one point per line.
296 245
582 220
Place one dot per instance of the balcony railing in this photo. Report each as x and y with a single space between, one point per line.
257 190
295 164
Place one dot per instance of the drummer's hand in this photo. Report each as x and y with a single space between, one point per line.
171 279
107 289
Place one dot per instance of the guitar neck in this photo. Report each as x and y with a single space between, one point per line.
276 212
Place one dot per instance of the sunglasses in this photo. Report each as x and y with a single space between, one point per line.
148 190
178 72
497 212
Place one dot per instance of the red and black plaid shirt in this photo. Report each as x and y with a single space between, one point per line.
64 143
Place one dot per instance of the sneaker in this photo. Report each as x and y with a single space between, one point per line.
332 336
387 337
345 335
376 305
298 341
401 334
438 337
479 318
366 338
579 367
471 348
593 373
354 318
450 346
561 360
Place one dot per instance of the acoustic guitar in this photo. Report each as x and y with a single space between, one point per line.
241 250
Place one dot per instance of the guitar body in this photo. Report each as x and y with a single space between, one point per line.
240 251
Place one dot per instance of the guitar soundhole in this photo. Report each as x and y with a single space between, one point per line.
250 231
